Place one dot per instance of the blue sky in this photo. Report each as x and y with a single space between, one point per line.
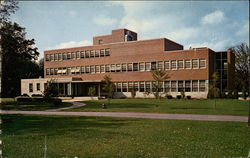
54 24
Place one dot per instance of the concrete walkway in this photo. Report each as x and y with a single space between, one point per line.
137 115
74 105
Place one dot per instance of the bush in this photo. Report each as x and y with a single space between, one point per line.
230 94
188 97
56 101
169 96
36 95
178 96
25 95
23 99
236 95
40 99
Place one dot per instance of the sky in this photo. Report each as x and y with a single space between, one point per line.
62 24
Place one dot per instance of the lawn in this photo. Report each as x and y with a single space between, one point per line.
30 106
183 106
23 136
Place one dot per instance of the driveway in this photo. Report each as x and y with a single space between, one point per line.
137 115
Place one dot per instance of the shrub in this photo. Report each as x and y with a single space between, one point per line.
188 97
36 95
23 99
40 99
169 96
235 95
230 94
56 101
178 96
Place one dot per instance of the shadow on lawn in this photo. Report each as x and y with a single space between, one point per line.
56 125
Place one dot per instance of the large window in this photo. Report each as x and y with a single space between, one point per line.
92 69
142 87
195 64
60 56
202 63
64 56
130 67
78 69
52 57
30 87
82 54
167 65
142 66
107 52
73 55
38 87
51 71
113 68
102 68
160 65
102 53
153 66
173 86
87 69
97 53
87 54
92 54
56 57
167 86
47 71
55 71
195 86
180 86
136 86
130 86
180 64
119 87
73 70
97 69
78 54
82 69
68 56
124 87
188 64
124 67
202 85
148 66
147 85
135 67
107 68
187 86
47 57
118 68
173 64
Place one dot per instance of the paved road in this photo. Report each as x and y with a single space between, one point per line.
138 115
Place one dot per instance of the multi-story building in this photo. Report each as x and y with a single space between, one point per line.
130 63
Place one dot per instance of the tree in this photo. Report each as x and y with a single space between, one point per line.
91 91
108 87
41 67
51 89
242 67
18 58
6 8
159 77
133 92
214 91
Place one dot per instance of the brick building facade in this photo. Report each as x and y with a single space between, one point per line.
129 63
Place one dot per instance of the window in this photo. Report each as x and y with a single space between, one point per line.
130 86
195 63
160 65
142 87
69 71
64 70
82 54
100 41
45 86
153 65
56 57
92 69
64 56
202 63
47 71
68 56
148 66
187 64
52 57
73 55
180 86
187 86
47 57
107 52
102 68
167 65
60 56
195 86
180 64
202 86
124 67
124 87
173 65
97 53
130 67
38 86
173 86
119 87
92 54
107 68
55 71
135 66
142 66
82 69
118 68
73 70
30 87
87 54
87 69
78 69
147 85
167 86
113 68
97 69
102 52
51 71
78 55
136 86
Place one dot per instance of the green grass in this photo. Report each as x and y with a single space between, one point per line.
183 106
102 137
31 106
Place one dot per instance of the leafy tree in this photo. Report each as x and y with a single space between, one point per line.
51 89
41 67
108 87
18 58
159 77
7 7
133 92
242 67
91 91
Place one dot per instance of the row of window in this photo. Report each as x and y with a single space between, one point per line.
78 55
31 87
167 86
129 67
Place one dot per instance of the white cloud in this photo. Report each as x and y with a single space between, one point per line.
72 44
215 17
244 31
103 20
217 45
184 34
